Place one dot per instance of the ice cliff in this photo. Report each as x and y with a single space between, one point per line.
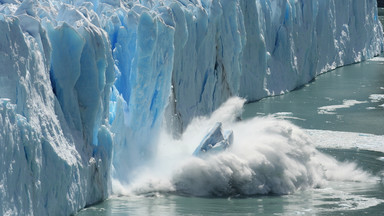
86 84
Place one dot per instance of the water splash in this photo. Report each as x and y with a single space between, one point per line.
268 156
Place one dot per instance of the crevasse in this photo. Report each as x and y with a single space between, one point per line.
85 86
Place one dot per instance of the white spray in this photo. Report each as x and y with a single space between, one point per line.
268 156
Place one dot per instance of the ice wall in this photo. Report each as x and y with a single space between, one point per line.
222 48
55 79
87 83
256 49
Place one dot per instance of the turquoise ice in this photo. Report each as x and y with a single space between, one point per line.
86 85
214 141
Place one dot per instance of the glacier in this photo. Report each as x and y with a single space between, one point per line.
87 85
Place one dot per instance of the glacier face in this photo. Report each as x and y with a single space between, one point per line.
55 139
218 49
88 83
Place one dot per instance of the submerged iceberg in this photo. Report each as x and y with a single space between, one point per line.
85 85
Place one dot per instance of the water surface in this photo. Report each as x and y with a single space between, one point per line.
348 99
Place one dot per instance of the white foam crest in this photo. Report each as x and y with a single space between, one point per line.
268 156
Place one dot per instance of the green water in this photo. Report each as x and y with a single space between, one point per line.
324 104
355 92
337 198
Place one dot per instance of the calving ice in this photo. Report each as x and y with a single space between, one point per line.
214 141
87 87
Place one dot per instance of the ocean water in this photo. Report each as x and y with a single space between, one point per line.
342 113
350 98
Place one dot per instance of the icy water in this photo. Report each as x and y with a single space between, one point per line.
350 98
343 112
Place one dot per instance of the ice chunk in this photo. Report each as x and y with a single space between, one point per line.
214 141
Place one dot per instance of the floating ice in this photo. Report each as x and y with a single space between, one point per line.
286 115
346 140
346 104
376 97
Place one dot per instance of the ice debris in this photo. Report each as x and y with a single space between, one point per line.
215 141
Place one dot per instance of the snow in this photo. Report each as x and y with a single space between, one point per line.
89 84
